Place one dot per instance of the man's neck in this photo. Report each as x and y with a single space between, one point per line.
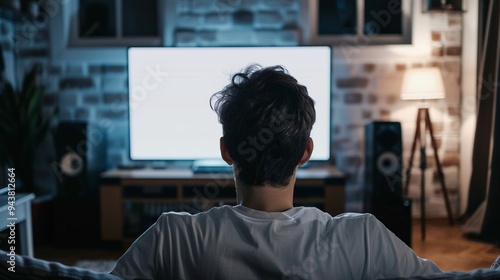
266 198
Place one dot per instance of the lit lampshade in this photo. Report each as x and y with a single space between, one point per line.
422 83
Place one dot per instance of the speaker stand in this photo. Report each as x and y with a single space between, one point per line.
424 117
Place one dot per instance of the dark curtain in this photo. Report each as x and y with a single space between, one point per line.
483 207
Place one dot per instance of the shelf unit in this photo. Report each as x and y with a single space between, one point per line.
131 200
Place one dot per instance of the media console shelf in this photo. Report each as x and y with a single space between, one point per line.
157 190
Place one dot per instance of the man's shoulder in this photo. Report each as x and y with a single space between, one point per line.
300 213
213 212
354 216
355 221
365 219
347 216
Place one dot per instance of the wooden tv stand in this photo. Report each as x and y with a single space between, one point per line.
322 187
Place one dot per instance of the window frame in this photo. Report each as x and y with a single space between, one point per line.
63 48
117 40
310 36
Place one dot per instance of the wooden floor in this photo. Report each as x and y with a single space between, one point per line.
444 245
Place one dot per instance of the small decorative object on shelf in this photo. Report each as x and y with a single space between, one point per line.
458 6
32 7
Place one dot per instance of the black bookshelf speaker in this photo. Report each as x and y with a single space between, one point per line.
81 157
383 178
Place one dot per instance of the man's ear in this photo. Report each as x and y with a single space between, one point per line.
308 151
224 152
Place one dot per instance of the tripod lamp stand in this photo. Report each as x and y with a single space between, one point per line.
423 84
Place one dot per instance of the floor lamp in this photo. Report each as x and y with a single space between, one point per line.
423 84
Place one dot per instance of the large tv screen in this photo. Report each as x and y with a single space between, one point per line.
170 88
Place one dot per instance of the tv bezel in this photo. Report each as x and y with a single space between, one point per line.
183 162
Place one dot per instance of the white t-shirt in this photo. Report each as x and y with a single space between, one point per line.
236 242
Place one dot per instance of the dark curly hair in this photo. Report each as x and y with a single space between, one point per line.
266 119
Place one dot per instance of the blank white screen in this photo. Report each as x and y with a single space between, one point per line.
170 88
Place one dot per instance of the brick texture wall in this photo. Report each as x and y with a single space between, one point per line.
363 91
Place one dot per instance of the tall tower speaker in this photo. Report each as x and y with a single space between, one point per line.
80 150
383 178
383 149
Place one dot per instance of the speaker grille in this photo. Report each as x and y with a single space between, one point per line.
81 157
383 176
